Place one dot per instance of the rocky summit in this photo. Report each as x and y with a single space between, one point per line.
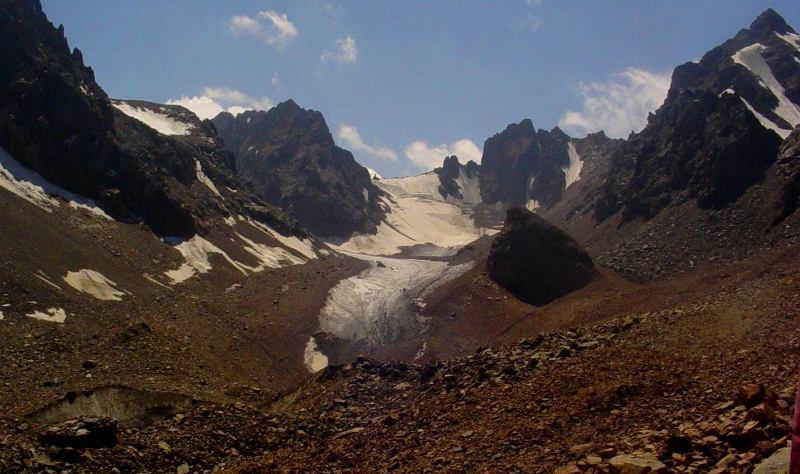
289 156
216 284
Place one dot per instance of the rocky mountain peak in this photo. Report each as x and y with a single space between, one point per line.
770 22
290 157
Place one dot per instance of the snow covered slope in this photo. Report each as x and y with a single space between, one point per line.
417 213
157 120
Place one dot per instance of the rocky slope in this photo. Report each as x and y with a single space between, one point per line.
56 121
289 156
704 383
535 261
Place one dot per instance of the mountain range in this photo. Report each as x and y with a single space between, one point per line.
241 294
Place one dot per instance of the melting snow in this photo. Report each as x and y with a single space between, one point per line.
269 257
153 280
532 205
161 123
43 277
201 176
52 315
751 58
313 358
304 246
765 122
573 171
29 185
195 252
792 38
95 284
374 305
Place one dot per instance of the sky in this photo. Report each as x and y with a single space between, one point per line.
403 83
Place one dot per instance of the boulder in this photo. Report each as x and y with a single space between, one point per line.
537 262
630 464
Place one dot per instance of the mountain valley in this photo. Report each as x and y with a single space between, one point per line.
239 294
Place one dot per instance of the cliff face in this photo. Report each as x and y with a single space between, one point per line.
289 156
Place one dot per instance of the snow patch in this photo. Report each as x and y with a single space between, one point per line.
95 284
727 91
30 185
201 176
373 174
751 58
45 278
52 315
792 38
153 280
268 257
195 252
572 173
304 246
765 122
313 358
532 205
161 123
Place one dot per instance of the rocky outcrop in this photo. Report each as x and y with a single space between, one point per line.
537 262
697 146
289 156
520 165
56 120
451 173
788 166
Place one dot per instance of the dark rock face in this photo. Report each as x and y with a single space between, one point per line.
450 171
56 120
788 165
537 262
520 164
697 146
704 143
289 156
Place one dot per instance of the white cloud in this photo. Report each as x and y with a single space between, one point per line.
214 100
351 137
244 25
427 158
619 105
346 51
281 30
275 28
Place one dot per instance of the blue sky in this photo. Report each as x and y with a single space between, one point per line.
402 83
